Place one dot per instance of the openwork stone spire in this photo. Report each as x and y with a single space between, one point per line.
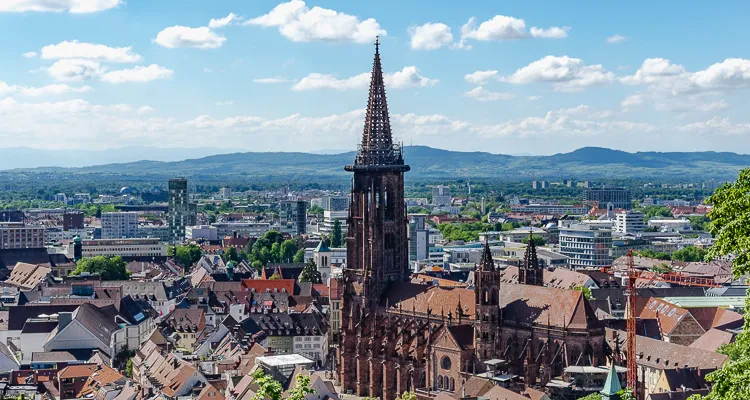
486 263
530 260
530 273
377 147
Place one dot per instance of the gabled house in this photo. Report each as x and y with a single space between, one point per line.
184 326
88 327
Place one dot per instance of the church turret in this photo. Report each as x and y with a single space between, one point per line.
487 293
530 273
77 249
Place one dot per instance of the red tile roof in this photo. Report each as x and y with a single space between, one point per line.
272 285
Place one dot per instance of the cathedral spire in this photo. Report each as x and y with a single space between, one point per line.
377 147
529 258
530 273
486 263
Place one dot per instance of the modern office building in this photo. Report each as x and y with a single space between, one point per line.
418 237
119 225
207 232
242 229
556 209
182 212
586 246
619 197
160 232
335 203
126 248
293 216
16 235
225 193
441 196
329 218
629 221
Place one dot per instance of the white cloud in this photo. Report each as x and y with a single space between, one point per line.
207 70
533 98
274 80
716 125
80 50
183 36
550 33
48 90
222 22
565 73
30 54
616 39
137 74
480 77
480 94
71 6
732 73
654 70
502 27
299 23
70 69
145 110
224 103
632 101
408 77
430 36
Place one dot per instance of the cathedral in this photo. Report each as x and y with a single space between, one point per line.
399 336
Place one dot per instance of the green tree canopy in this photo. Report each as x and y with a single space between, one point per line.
310 272
299 256
270 389
538 240
110 268
187 255
336 234
231 254
690 254
657 211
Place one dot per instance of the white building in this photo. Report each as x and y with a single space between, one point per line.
118 225
441 196
629 222
329 218
250 229
207 232
137 247
586 246
160 232
225 193
418 237
326 258
671 225
56 234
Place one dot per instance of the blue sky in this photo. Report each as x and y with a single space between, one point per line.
504 77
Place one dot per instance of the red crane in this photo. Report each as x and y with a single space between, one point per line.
632 380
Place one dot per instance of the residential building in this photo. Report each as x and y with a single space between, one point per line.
549 209
301 333
161 298
17 235
586 246
88 327
629 221
182 212
335 203
55 234
61 198
126 248
441 196
184 326
329 218
119 225
619 197
207 232
73 220
293 216
242 229
160 232
539 184
418 237
225 193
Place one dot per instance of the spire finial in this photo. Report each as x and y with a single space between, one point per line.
377 44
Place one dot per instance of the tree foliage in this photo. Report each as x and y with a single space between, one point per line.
231 254
271 248
299 256
270 389
586 291
592 396
336 234
654 254
730 224
657 211
538 240
110 268
187 255
310 272
407 396
690 254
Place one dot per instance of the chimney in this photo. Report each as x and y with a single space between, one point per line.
63 319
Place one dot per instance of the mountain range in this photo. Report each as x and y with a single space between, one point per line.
426 162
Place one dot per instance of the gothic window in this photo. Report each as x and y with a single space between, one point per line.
485 297
445 362
495 292
440 382
453 385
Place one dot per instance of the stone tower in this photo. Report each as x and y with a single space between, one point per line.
487 293
530 273
376 242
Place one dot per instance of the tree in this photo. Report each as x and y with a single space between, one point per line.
310 272
336 234
730 225
689 254
129 368
657 211
407 396
188 255
231 255
299 256
269 388
316 210
257 265
110 268
654 254
592 396
301 388
586 291
538 240
287 250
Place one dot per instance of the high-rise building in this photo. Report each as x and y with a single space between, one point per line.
335 203
418 237
586 246
325 227
293 214
441 196
16 235
182 212
225 193
73 220
629 221
619 197
12 216
119 225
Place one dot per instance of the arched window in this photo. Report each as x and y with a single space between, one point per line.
453 385
440 382
485 296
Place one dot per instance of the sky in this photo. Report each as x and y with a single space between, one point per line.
510 77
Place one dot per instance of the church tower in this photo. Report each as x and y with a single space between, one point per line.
376 242
530 273
487 294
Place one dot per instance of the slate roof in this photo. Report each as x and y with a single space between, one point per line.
101 325
715 317
712 339
561 278
543 305
17 315
664 355
463 334
39 326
